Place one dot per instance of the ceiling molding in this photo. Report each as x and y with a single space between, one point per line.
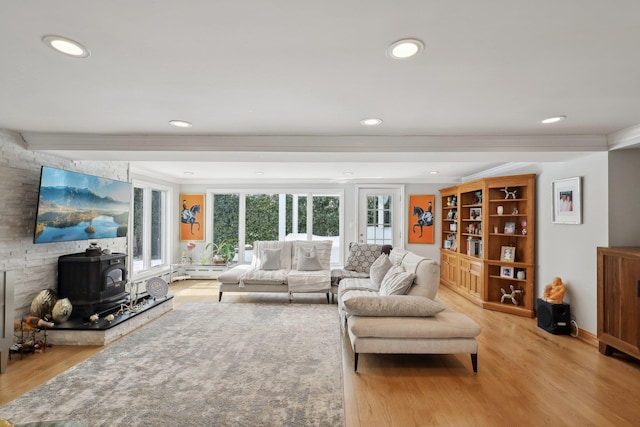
313 143
625 138
497 171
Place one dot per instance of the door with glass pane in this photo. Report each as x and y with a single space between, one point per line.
380 216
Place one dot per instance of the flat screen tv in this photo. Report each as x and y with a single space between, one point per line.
76 206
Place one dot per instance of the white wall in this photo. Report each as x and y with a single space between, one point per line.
624 197
569 251
428 250
36 265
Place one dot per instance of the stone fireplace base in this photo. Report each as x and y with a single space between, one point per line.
80 332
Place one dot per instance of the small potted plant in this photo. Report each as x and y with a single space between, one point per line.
222 252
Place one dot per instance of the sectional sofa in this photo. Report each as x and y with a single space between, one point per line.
400 314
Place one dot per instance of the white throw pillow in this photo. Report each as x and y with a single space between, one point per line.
392 305
396 281
379 269
308 261
270 259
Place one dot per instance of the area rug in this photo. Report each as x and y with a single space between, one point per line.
224 364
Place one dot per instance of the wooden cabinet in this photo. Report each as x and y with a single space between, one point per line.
471 276
619 300
449 267
492 231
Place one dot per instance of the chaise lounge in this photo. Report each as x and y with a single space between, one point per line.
411 322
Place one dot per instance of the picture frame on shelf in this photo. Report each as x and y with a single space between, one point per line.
508 253
509 228
475 214
567 200
506 272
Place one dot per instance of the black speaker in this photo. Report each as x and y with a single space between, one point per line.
554 318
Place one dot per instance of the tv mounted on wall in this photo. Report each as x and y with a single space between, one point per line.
76 206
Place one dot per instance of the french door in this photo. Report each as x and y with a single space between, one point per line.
380 216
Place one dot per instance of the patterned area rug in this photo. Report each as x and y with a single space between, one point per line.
224 364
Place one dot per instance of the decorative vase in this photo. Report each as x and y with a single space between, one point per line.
62 310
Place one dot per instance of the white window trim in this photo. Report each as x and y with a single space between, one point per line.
168 219
359 188
210 192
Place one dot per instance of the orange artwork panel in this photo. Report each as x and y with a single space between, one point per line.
192 217
421 218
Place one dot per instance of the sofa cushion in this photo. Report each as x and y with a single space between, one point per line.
322 246
396 281
427 278
397 255
270 259
379 269
267 277
233 275
446 324
391 305
309 281
355 284
285 254
308 260
337 274
362 256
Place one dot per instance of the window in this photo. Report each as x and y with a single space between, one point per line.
149 245
243 218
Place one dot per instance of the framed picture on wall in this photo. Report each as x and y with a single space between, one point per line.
567 201
421 218
192 217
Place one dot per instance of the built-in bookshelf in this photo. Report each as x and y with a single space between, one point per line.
487 252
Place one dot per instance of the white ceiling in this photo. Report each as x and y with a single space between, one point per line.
280 87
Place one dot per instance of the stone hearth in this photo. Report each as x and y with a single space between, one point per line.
83 332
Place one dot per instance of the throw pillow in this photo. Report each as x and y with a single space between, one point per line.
396 281
362 256
379 269
270 259
308 261
392 305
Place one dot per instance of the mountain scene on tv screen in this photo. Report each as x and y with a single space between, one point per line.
85 207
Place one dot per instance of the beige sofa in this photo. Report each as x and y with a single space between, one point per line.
404 324
262 275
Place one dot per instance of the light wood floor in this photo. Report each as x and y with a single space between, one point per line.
526 376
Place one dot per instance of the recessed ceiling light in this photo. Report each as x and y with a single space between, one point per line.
66 46
348 173
371 122
259 173
188 173
180 124
434 172
405 48
554 119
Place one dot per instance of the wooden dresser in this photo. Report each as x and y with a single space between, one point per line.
619 300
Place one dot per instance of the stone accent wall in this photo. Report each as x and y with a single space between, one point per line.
36 265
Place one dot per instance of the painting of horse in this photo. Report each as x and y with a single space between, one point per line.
189 216
421 219
192 217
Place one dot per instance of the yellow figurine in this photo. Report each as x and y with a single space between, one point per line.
554 292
